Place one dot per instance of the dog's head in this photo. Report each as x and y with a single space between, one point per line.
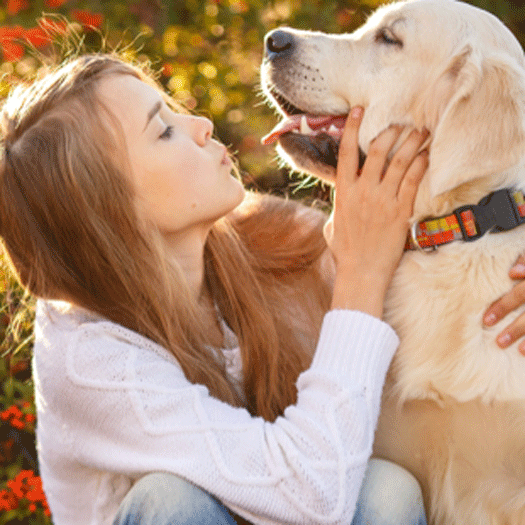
440 64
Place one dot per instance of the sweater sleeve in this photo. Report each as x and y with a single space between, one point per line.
133 412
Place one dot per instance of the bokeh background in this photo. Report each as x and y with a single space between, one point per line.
207 54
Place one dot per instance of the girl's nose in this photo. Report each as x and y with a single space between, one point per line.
203 130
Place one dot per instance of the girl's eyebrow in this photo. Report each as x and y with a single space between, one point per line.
152 112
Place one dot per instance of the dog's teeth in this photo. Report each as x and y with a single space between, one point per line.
333 129
305 128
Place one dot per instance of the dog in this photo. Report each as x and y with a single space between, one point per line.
453 409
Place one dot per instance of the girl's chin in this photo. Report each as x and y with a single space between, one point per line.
241 191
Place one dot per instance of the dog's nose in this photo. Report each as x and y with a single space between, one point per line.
279 43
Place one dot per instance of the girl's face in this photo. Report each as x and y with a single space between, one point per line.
180 175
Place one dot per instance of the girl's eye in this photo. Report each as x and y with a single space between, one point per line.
167 133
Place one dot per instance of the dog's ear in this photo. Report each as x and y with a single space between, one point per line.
481 128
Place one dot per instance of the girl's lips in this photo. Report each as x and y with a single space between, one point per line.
226 158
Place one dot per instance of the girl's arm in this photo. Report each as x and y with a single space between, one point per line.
122 405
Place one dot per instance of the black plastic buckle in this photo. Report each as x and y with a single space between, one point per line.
496 212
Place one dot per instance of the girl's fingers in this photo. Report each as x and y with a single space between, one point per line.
518 270
401 162
348 155
378 152
410 182
512 333
506 304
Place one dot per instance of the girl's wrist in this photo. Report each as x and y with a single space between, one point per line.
362 292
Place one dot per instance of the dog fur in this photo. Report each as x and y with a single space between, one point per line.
454 403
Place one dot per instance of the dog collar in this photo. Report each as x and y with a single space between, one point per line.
500 211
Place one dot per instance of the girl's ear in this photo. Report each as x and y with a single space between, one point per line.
481 130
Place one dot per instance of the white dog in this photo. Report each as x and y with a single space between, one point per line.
454 403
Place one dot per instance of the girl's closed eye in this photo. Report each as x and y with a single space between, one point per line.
167 133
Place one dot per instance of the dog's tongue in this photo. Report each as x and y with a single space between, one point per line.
307 125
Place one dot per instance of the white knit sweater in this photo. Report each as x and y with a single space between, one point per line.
113 406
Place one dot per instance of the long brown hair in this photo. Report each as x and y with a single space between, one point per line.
71 233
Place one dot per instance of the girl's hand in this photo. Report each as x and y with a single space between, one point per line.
509 302
368 227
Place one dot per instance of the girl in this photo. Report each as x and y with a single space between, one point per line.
185 369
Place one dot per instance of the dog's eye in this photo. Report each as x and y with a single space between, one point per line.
385 36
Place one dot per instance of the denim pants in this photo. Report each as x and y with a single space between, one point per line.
389 496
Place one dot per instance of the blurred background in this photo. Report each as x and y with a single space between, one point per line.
207 54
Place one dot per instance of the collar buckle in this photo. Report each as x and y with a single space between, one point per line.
496 212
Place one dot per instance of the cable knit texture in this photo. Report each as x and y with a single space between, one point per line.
113 406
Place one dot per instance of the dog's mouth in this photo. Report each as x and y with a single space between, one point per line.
315 136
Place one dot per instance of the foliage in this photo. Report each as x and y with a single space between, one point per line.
21 496
207 53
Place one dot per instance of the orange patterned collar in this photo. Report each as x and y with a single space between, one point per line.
500 211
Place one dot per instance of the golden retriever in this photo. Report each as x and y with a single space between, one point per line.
454 403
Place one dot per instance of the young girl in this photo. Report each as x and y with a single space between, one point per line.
185 369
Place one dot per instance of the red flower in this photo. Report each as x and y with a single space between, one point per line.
167 69
24 488
21 366
16 423
54 3
5 497
8 501
11 52
88 19
13 415
10 32
15 6
344 17
12 412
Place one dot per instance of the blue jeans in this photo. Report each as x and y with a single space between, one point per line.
389 496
